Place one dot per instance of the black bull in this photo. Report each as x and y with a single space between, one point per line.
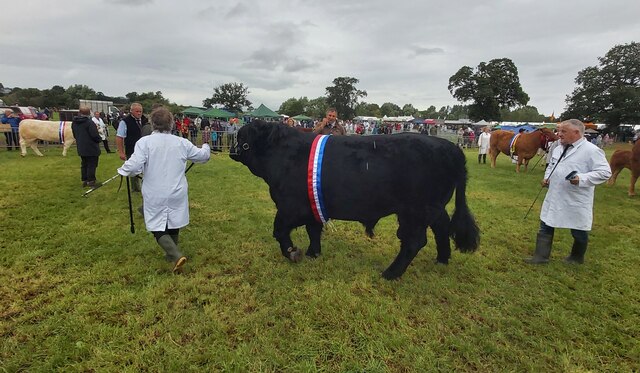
364 179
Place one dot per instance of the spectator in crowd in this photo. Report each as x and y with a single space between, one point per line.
569 201
205 123
330 125
162 158
290 122
231 130
471 136
193 130
483 144
461 132
88 140
14 121
186 122
216 136
129 132
102 130
206 135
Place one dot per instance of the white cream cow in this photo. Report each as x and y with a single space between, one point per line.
32 130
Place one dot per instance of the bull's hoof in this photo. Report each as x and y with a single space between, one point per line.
312 254
390 275
295 255
442 262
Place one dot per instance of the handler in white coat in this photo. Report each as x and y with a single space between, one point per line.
569 202
162 158
483 144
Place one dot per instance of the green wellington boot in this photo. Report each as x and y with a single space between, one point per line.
543 249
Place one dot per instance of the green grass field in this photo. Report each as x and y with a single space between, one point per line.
79 292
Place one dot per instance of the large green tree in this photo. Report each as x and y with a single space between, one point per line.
148 99
492 86
232 96
294 106
610 92
522 114
408 109
390 109
344 95
78 92
430 113
366 109
317 107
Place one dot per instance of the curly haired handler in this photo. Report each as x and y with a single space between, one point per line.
162 158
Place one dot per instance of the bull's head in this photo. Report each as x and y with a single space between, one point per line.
253 142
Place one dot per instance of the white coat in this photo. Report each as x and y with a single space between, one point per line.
483 142
101 127
162 158
567 205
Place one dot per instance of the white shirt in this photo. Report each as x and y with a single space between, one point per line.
162 157
567 205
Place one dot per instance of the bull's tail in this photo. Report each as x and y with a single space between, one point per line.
463 228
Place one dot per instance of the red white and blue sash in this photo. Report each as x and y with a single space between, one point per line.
61 132
314 181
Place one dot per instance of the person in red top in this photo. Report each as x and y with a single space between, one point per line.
185 127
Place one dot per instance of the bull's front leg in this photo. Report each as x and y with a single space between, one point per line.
23 147
66 147
314 230
282 233
632 184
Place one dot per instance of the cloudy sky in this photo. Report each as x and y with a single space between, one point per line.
402 51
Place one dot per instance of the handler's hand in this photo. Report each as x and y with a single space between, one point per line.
545 183
575 180
123 157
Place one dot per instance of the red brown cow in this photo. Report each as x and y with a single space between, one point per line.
526 145
622 159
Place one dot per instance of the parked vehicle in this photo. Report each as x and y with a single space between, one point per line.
24 112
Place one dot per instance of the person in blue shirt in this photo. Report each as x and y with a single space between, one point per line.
14 121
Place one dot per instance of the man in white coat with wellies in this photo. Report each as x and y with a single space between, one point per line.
569 201
162 158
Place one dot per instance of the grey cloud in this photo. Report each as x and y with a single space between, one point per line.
297 64
424 51
238 10
130 2
266 59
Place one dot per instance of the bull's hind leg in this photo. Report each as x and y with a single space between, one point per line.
493 154
282 233
440 228
315 232
34 146
614 175
412 233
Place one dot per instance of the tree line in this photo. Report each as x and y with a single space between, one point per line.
607 93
